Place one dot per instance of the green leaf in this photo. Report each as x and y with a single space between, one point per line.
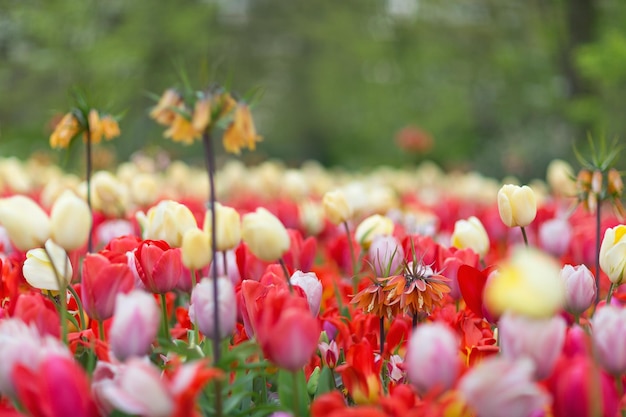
292 392
311 386
326 382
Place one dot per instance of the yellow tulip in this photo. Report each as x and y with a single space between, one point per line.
613 253
517 205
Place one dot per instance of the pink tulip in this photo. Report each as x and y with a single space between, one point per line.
202 305
432 359
102 279
555 236
386 255
609 338
312 287
158 266
580 288
134 388
135 324
540 340
500 386
329 353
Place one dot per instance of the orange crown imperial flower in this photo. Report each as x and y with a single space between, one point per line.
101 126
241 133
64 131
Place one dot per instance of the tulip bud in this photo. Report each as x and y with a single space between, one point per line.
196 249
108 194
371 227
70 221
471 234
26 223
517 205
311 217
144 189
613 253
43 273
228 227
432 358
336 207
555 236
498 383
560 177
527 284
580 288
312 288
265 235
386 255
329 353
202 307
168 221
540 340
609 338
135 324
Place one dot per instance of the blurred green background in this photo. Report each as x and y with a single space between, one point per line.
501 86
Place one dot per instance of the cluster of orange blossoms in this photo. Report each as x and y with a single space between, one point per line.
186 126
93 129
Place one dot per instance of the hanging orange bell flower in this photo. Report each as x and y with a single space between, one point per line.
64 131
163 112
182 130
241 133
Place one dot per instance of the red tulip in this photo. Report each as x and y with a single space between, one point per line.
102 280
57 388
159 267
361 374
34 308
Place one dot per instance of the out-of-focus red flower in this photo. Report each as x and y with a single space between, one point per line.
301 253
159 267
123 244
333 404
102 280
472 284
36 309
414 139
361 374
57 388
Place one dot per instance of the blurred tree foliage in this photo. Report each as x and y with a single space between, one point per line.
503 86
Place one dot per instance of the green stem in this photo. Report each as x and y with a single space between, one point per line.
81 312
101 330
62 294
524 235
610 294
355 283
286 272
598 231
296 394
88 170
196 333
382 336
165 325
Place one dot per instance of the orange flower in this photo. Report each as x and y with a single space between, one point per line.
201 114
241 133
98 127
182 130
163 112
110 128
372 300
361 374
64 131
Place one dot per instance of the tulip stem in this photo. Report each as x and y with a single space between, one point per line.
165 318
286 272
524 235
62 294
101 330
88 169
382 336
610 294
81 311
598 226
196 333
296 405
224 260
355 283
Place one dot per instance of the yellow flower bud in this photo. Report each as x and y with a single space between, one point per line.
517 205
168 221
196 249
144 189
560 177
336 207
26 223
471 234
371 227
613 253
70 221
527 284
44 272
228 227
311 217
265 235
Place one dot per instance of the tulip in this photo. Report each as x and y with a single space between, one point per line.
45 274
540 340
134 388
196 249
144 189
580 288
432 358
135 324
312 287
555 236
470 234
35 309
517 205
26 223
613 253
70 221
311 216
168 221
202 307
609 338
386 255
561 178
361 373
108 194
158 266
285 329
265 235
336 207
102 280
528 283
499 385
329 353
58 385
228 227
371 227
